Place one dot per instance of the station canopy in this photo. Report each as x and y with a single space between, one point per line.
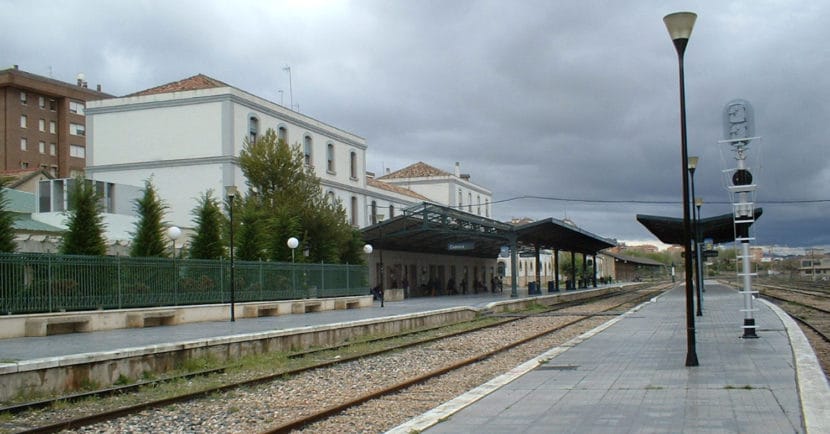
721 229
431 228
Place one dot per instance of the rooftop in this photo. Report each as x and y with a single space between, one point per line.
196 82
417 170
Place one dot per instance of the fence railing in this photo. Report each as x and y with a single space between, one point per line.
31 282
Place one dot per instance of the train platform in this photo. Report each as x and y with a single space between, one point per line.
26 350
629 376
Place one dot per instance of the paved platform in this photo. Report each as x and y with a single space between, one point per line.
58 346
629 376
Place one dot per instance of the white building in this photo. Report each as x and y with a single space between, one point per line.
186 136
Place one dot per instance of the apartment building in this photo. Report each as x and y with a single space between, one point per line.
43 123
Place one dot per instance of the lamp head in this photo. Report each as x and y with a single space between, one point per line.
174 232
698 202
293 243
692 164
367 249
230 191
680 24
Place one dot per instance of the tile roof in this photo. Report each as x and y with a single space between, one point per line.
19 201
396 189
196 82
417 170
19 176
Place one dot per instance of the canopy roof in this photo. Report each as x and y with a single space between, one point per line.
431 228
720 229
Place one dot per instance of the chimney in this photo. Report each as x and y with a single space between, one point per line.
98 88
388 170
457 169
15 67
81 79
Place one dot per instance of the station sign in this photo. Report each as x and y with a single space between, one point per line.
466 245
710 253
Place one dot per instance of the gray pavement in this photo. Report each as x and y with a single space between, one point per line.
629 376
32 348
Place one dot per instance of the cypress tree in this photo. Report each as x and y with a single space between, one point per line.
148 238
85 233
6 221
207 243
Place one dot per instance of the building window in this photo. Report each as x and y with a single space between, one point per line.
330 158
23 121
478 204
53 127
53 105
41 125
23 98
24 164
24 144
353 164
76 107
486 208
374 212
354 210
470 202
332 198
307 147
253 128
282 134
77 151
391 210
41 147
77 129
460 199
53 171
41 102
53 149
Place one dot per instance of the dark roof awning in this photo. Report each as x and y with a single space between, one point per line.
431 228
555 234
721 229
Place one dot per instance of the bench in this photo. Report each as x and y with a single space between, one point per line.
258 310
306 306
56 325
346 304
152 318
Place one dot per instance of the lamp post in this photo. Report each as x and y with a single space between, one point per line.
679 25
368 249
700 259
173 232
695 237
292 244
230 192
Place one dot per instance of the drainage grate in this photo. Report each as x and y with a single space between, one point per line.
558 367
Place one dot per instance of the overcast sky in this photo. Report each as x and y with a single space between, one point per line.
556 99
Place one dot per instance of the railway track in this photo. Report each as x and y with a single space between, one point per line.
324 358
811 309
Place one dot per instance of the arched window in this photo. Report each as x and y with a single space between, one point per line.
253 128
486 208
332 198
353 164
460 199
478 202
354 210
391 210
282 134
330 158
469 202
374 212
307 147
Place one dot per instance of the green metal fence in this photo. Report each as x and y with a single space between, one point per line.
31 283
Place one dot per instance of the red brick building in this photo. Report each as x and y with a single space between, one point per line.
42 123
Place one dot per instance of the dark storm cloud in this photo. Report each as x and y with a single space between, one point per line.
557 99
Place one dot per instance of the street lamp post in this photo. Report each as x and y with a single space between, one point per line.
292 244
173 232
230 192
699 249
679 25
368 249
695 238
